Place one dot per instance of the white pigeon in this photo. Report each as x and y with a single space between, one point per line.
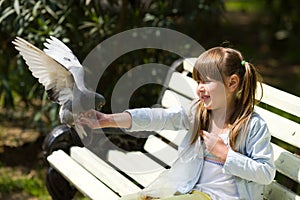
62 75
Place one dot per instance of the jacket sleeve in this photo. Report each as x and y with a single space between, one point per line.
257 161
155 119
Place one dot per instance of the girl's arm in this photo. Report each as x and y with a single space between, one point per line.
95 119
255 161
156 119
142 119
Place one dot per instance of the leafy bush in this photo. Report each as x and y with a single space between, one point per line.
82 25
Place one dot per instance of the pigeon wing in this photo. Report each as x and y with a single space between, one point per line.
61 53
56 79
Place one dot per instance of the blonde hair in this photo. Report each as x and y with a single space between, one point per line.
219 63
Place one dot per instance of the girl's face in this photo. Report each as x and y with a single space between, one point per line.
211 93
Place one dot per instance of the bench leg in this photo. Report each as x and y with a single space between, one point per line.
61 137
58 187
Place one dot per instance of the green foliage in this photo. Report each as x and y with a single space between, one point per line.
10 181
82 25
249 6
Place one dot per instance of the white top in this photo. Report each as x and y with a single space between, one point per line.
213 181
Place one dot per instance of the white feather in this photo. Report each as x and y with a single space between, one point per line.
61 53
49 73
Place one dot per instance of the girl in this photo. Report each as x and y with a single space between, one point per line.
227 147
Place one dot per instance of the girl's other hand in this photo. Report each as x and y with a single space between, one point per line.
215 145
210 140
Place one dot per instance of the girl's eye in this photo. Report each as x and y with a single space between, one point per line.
203 82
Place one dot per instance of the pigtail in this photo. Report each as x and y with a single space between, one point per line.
248 87
246 101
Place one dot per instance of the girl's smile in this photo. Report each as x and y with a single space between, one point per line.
204 98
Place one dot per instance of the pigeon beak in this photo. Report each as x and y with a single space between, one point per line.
99 101
99 107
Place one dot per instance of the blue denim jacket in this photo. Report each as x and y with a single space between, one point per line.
252 165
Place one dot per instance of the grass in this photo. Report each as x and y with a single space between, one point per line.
27 184
16 180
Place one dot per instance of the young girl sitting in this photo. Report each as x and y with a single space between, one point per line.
227 148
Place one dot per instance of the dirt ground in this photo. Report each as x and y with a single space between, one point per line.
20 156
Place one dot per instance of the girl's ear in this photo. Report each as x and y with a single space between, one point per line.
233 83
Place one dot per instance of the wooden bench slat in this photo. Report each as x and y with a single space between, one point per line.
183 85
103 171
85 182
136 165
161 150
280 99
291 131
172 99
175 137
188 64
275 191
287 163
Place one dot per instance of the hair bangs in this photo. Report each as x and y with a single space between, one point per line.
205 68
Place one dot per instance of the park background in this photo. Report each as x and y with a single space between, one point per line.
265 31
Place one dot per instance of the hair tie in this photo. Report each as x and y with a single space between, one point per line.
243 63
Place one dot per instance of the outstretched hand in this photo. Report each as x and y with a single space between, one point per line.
92 119
95 119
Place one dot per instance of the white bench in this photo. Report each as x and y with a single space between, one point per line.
117 175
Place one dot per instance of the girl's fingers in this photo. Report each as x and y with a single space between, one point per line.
204 134
89 122
84 121
93 114
90 113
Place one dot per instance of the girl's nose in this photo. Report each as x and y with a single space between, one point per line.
201 87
